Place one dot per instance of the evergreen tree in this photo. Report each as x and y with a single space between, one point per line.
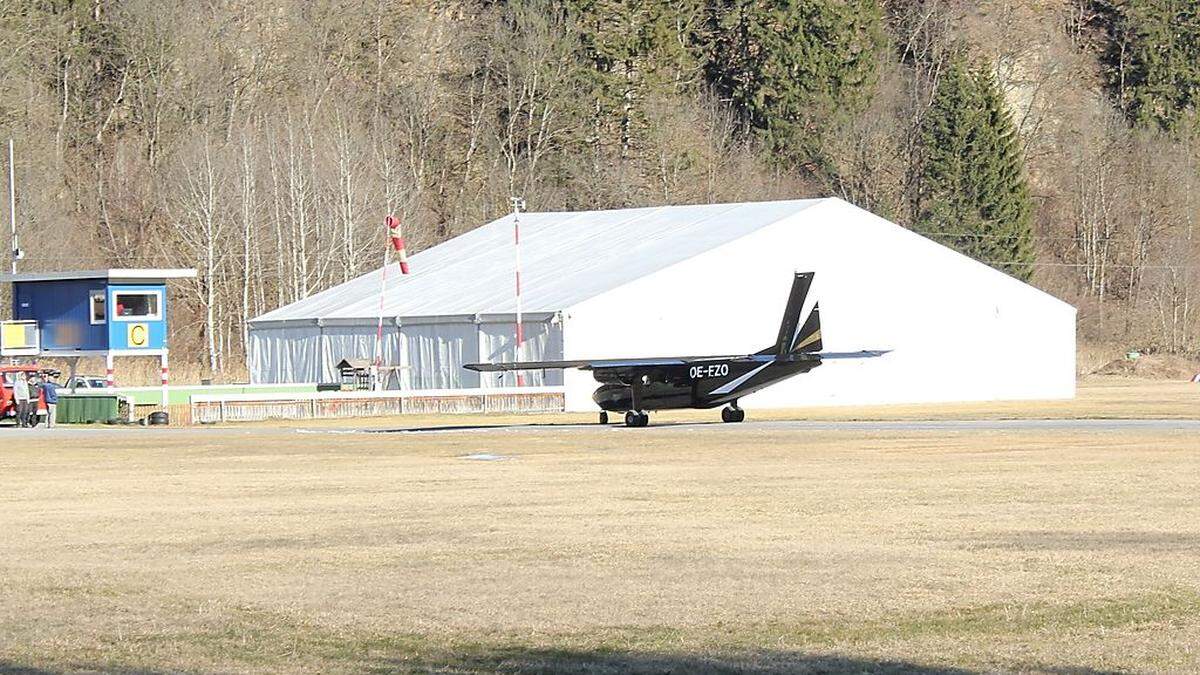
974 196
1154 62
636 49
788 65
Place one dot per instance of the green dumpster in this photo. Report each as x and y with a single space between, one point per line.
87 408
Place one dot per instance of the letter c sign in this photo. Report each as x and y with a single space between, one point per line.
139 335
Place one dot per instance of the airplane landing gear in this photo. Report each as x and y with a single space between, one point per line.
604 417
637 418
732 414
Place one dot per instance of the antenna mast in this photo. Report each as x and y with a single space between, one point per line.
518 204
12 207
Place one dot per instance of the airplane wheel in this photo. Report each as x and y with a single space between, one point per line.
635 418
730 415
604 417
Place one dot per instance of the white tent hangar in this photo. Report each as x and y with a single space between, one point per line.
691 280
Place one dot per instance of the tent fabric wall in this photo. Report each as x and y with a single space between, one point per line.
354 342
543 341
431 352
434 354
279 354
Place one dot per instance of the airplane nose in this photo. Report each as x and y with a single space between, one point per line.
613 397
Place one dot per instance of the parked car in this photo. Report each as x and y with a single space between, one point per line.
86 382
8 375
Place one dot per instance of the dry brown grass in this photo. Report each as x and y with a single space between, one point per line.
259 549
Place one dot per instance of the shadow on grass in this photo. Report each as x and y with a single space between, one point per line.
602 662
596 662
10 668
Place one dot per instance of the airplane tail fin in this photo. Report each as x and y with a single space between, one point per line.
807 338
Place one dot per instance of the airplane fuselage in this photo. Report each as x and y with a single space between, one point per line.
707 384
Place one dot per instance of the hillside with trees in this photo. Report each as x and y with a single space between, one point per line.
263 142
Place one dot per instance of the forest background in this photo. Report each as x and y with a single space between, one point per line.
262 142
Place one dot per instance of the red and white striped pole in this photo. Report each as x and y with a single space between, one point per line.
110 379
163 365
382 293
395 241
518 204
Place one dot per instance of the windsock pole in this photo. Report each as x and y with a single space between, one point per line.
382 292
379 328
394 240
518 204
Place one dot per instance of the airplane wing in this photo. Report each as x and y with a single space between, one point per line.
861 354
593 364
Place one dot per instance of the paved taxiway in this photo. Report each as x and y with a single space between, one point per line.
1095 425
799 426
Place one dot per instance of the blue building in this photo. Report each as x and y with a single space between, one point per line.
109 313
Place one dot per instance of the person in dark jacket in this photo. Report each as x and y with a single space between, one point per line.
50 392
35 398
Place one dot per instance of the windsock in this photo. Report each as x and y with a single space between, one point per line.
393 226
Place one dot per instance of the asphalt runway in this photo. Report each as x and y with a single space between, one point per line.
798 426
1090 425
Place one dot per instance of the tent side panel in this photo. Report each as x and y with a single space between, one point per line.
433 354
430 353
356 342
543 341
282 355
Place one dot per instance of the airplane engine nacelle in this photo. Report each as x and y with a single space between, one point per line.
654 396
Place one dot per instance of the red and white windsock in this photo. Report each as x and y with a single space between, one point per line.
393 226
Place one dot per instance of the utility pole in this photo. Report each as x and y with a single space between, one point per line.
518 204
12 207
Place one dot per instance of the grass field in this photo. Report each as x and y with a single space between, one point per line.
607 550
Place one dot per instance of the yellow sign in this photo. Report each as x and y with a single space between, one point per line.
16 336
139 335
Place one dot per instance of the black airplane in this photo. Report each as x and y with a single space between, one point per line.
635 386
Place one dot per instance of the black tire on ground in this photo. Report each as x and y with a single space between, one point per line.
604 417
631 418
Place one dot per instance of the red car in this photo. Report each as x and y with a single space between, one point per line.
8 375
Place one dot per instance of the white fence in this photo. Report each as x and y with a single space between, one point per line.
218 408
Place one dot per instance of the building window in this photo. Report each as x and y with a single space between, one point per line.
137 306
99 307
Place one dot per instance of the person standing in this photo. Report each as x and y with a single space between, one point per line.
50 393
21 396
35 400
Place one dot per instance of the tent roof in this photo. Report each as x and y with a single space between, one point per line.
567 257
